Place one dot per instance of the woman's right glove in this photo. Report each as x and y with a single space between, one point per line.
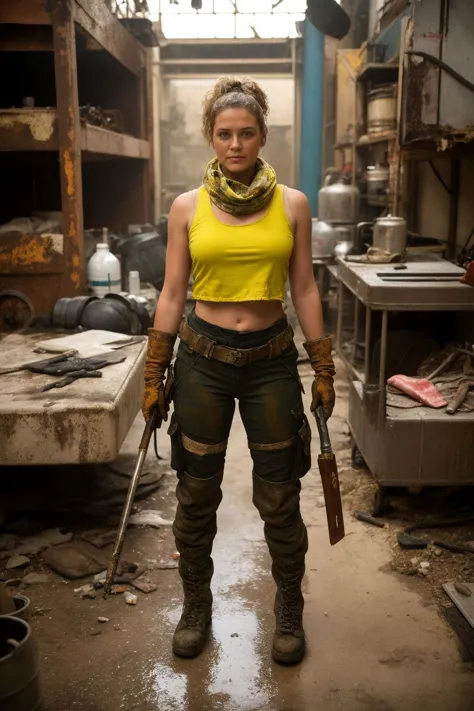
322 390
158 359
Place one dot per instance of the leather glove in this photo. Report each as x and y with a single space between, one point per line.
158 359
322 389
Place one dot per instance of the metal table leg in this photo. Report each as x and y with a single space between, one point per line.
368 336
383 368
340 313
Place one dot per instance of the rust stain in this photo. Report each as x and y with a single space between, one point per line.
69 172
28 252
76 278
75 261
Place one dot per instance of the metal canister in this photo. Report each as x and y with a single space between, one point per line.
390 234
382 109
377 184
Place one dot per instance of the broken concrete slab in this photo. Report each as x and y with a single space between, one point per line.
99 537
32 545
145 586
70 561
149 517
35 579
17 561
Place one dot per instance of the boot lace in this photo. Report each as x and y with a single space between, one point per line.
195 601
290 608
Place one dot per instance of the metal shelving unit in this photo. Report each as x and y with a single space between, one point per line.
66 54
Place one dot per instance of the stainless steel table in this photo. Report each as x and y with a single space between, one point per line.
415 447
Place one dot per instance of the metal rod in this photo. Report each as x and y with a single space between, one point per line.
124 520
220 62
150 427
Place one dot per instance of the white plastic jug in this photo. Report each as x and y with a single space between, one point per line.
103 271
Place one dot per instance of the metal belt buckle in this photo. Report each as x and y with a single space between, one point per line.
235 357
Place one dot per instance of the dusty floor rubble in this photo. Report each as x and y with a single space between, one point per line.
377 639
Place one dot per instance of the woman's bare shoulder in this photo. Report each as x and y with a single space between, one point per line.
184 206
296 199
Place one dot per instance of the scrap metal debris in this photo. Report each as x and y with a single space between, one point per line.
110 119
367 518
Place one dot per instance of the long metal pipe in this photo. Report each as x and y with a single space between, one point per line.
312 115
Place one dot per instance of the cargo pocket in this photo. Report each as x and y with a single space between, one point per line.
302 463
177 452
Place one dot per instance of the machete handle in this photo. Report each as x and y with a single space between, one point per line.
323 430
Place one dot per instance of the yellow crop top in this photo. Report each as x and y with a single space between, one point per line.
233 263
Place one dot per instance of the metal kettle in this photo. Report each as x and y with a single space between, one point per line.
338 202
387 233
390 234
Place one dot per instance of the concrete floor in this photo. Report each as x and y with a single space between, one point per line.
375 643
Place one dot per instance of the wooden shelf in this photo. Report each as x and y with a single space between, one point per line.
37 130
100 141
92 18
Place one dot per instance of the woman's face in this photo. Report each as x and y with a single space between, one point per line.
237 140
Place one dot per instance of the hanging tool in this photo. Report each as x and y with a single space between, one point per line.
330 480
150 427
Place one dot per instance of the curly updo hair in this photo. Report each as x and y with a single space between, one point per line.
232 93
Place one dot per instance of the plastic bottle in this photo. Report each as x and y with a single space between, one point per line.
103 271
134 283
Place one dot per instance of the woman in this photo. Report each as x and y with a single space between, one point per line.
241 235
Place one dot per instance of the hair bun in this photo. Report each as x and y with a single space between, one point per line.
235 85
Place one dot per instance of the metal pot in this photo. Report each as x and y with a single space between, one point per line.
382 109
323 239
377 184
390 234
338 202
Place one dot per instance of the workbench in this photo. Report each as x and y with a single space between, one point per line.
401 447
84 422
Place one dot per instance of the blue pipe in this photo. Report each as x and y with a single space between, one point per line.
312 115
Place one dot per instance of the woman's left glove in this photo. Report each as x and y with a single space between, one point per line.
322 390
158 359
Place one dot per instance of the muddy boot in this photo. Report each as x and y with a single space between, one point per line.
289 641
194 529
285 533
191 633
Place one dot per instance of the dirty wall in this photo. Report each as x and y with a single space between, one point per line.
183 149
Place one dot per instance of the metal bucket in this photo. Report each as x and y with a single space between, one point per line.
22 607
19 667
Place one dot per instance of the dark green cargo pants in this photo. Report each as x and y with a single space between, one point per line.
270 404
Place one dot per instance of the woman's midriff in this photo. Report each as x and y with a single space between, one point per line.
242 316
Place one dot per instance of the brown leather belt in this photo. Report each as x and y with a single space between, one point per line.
235 356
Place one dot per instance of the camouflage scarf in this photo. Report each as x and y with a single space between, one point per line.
236 198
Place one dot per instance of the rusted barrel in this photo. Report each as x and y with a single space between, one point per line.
19 667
